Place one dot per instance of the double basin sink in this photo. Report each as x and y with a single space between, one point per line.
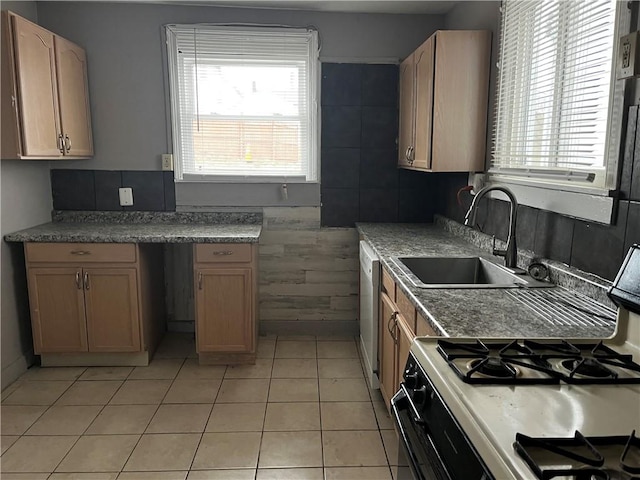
462 272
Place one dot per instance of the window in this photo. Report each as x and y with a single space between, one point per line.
558 116
243 103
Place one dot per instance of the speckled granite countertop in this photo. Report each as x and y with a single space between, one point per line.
470 312
143 227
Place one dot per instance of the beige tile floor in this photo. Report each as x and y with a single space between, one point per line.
302 412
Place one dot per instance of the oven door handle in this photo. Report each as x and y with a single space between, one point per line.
415 415
412 459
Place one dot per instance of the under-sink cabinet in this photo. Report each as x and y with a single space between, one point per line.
444 93
225 279
399 323
44 94
90 303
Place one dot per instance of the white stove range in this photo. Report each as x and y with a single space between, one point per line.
501 409
492 414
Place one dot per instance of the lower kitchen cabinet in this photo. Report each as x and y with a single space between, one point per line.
111 302
226 290
57 310
399 322
96 301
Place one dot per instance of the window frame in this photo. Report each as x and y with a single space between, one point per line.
575 199
313 115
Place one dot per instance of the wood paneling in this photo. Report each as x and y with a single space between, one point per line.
388 285
407 107
460 107
73 93
111 299
423 328
405 337
35 67
406 308
224 298
223 252
423 131
81 252
57 310
387 348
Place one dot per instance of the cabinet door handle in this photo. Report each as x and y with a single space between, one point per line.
411 156
80 252
391 329
86 281
61 143
78 282
225 252
199 281
406 153
67 143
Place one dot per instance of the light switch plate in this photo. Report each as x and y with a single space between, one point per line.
126 196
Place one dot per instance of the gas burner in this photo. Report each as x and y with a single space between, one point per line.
587 367
493 367
536 362
582 458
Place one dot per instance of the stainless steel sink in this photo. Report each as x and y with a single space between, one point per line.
462 272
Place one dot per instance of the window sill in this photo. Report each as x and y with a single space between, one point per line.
588 204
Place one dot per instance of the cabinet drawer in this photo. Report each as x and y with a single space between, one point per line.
222 252
388 285
407 310
81 252
423 328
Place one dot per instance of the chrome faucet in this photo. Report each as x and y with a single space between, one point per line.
511 253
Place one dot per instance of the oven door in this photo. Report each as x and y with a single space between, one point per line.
421 456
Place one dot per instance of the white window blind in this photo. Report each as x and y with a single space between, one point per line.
243 102
554 91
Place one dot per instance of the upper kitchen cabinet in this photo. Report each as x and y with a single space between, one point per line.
45 96
444 90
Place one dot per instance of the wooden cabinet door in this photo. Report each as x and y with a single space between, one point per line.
35 69
111 298
57 310
405 337
424 73
73 95
387 348
407 110
224 310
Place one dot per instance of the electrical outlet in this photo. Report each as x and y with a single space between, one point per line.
628 57
167 161
126 196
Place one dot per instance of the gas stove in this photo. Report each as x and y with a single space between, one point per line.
526 409
538 362
549 401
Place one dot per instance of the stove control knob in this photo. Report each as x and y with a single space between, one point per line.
411 380
419 396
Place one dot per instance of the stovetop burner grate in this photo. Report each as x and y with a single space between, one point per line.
534 362
580 457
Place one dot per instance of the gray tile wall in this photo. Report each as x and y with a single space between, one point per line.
589 246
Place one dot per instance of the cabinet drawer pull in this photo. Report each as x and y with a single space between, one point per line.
86 281
78 282
224 252
80 252
67 143
199 281
61 143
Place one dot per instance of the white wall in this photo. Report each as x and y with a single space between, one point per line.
25 201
